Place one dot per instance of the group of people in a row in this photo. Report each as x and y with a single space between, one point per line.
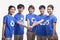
42 25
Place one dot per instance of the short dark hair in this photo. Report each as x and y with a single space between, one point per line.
20 6
31 6
11 6
41 6
51 6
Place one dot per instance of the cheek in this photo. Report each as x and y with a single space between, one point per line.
48 10
30 10
21 10
41 11
12 11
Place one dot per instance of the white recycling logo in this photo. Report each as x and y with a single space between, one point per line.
12 23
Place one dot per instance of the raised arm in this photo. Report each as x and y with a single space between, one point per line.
21 23
37 22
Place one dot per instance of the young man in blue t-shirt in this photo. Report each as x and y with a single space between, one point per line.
40 31
31 18
8 24
51 21
19 25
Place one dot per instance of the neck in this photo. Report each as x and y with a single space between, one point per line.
50 14
42 14
19 12
10 14
31 13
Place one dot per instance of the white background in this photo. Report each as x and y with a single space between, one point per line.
5 3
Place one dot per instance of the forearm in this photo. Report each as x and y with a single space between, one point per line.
54 27
21 23
3 29
28 22
34 24
37 22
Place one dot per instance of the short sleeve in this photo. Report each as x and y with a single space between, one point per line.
54 19
4 19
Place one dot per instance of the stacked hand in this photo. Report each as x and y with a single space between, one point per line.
29 27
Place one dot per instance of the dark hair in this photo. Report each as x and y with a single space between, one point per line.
11 7
31 6
51 6
20 6
42 6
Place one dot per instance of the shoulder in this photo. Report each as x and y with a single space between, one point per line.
5 16
34 14
22 15
46 15
54 17
27 15
37 16
15 15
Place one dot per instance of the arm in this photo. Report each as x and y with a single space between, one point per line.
21 23
54 24
54 27
37 22
28 25
54 30
28 22
3 29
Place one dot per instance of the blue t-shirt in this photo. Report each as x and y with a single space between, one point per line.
32 18
40 31
49 24
19 29
10 22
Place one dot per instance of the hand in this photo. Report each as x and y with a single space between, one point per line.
3 37
53 36
29 28
26 27
20 20
42 20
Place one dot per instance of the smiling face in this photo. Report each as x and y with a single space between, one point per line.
11 10
20 10
49 10
31 10
42 10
